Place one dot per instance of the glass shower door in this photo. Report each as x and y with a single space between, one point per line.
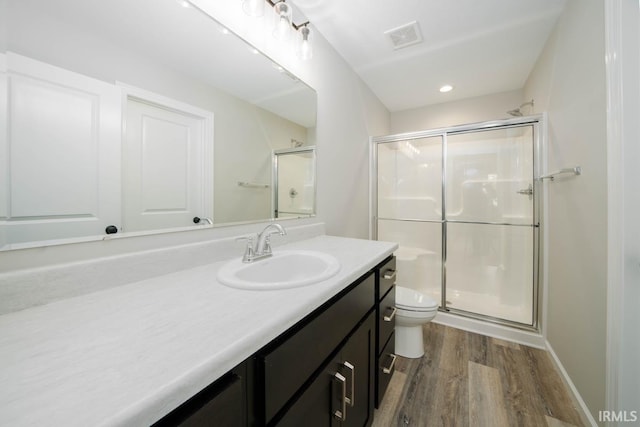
409 206
490 223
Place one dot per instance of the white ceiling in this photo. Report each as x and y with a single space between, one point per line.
477 46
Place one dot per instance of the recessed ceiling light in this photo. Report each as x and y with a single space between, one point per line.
446 88
183 3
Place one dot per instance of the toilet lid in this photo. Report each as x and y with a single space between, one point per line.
409 299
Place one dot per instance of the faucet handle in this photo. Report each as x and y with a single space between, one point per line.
267 244
249 251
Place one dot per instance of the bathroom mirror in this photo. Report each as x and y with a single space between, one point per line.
143 115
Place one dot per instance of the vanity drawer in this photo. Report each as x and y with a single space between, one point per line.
386 318
386 368
300 353
387 276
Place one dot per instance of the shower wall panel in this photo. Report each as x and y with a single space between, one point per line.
488 176
490 270
419 257
410 179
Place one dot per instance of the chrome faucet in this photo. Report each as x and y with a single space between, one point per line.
262 249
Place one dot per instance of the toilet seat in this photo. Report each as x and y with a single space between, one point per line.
410 300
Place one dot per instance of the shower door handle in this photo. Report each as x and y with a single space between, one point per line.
527 191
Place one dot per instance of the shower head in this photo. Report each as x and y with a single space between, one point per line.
516 112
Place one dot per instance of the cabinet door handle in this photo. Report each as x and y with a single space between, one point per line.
390 317
389 369
351 400
341 413
389 274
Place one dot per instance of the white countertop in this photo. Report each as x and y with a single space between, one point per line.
130 354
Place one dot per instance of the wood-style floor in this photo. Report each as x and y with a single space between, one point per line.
466 379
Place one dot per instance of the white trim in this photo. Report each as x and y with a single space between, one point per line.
531 339
586 415
615 198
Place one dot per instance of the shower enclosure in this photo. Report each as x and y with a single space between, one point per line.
462 204
294 176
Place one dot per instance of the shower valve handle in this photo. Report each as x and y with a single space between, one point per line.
526 191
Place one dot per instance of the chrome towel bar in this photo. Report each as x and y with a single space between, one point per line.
252 184
573 171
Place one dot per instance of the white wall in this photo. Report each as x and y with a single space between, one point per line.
471 110
568 82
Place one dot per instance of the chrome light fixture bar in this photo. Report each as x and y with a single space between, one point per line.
283 24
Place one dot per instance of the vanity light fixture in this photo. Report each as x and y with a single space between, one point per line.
446 88
283 23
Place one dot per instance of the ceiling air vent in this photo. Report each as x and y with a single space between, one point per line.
405 35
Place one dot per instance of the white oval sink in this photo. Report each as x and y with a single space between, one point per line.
282 270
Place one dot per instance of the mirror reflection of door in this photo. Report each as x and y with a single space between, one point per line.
167 164
57 155
294 182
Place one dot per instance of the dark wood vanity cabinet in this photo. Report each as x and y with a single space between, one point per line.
320 373
385 339
330 369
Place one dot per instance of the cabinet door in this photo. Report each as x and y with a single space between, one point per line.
222 404
317 406
343 393
357 360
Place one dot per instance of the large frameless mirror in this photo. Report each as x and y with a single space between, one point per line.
136 117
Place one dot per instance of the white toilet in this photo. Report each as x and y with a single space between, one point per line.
413 310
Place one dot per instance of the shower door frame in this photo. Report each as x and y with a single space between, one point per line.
539 134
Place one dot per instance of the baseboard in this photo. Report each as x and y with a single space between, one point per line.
581 405
531 339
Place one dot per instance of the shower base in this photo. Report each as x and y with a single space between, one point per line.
484 304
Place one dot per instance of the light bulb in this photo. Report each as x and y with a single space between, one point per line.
305 50
283 21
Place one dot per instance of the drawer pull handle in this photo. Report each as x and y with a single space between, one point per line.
352 370
389 274
389 368
390 317
341 413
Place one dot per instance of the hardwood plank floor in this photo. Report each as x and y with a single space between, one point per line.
466 379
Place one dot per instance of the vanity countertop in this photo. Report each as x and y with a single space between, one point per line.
130 354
